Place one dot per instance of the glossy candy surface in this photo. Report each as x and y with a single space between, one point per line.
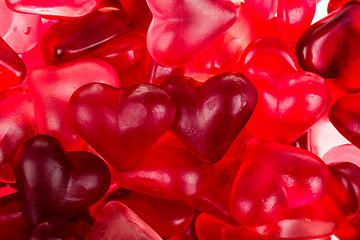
116 214
181 30
69 8
210 115
283 178
128 120
51 88
78 179
330 47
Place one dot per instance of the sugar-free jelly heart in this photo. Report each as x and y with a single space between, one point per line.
283 177
51 88
17 123
344 115
128 120
166 217
117 221
211 115
68 40
68 8
12 68
181 30
331 47
170 172
52 182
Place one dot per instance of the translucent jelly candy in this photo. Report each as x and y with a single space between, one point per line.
170 172
51 88
181 30
330 47
20 31
128 120
166 217
12 68
52 182
68 40
210 115
117 221
345 117
290 101
283 178
13 223
68 8
17 125
139 12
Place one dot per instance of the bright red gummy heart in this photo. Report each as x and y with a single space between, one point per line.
170 172
68 8
211 115
274 178
117 221
55 183
17 123
181 30
12 68
331 47
51 88
345 117
129 121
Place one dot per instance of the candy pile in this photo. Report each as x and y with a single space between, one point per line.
178 120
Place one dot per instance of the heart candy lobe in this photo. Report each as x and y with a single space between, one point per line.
211 115
55 183
129 121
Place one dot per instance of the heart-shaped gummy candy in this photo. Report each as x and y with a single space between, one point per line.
52 182
128 121
211 115
180 30
274 178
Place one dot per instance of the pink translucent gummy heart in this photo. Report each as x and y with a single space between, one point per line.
181 30
117 221
52 86
68 8
283 177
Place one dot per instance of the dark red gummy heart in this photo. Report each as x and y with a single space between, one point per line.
330 47
274 178
128 121
211 115
180 30
52 182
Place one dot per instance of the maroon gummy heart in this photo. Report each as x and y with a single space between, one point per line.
330 47
52 182
126 121
211 115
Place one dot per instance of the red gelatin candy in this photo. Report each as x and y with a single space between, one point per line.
211 115
67 8
52 182
274 178
71 39
117 221
166 217
331 47
17 125
51 88
181 30
170 172
12 68
129 121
